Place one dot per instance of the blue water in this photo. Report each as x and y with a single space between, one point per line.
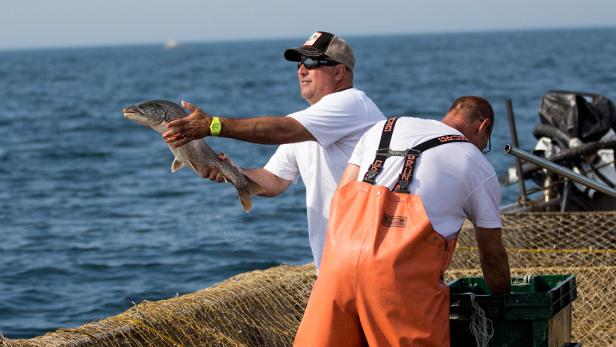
92 219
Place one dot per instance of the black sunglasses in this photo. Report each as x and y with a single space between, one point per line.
310 63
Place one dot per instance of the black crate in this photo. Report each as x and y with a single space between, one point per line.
536 313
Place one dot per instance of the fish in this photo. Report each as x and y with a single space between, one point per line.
196 154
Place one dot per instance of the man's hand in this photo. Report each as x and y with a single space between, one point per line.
213 173
192 127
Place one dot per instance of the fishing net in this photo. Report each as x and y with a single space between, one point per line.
259 308
583 244
264 308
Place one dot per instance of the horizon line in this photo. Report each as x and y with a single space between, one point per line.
276 38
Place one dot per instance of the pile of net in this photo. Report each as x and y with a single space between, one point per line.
264 308
583 244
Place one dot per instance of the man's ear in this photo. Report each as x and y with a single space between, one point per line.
486 124
340 71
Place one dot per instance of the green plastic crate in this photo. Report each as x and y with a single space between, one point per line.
536 314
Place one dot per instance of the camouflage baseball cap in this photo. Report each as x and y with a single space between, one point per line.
323 44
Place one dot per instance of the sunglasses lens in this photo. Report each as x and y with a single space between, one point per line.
310 63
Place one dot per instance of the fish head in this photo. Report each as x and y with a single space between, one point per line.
154 112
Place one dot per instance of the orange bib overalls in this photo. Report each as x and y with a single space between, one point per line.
380 280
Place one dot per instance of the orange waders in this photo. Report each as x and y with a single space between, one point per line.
380 281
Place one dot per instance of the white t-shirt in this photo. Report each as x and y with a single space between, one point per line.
455 181
337 122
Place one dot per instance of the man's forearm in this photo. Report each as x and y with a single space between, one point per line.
496 272
272 184
265 130
494 260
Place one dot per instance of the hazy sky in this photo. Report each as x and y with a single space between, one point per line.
43 23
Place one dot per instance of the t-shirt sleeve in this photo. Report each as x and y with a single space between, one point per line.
483 204
358 151
332 118
283 163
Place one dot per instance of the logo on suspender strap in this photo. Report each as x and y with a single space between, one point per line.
389 125
409 165
404 180
376 166
452 138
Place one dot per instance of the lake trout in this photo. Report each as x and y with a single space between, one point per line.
195 154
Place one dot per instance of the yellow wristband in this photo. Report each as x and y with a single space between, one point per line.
215 126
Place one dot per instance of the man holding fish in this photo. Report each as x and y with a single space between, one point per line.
316 142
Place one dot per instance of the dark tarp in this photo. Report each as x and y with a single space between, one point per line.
585 116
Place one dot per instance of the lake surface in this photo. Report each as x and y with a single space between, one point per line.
92 219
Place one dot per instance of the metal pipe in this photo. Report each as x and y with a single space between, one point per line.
560 170
518 162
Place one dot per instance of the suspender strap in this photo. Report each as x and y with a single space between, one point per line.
405 178
439 141
411 156
383 152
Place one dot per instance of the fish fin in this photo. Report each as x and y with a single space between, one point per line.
245 195
194 167
176 165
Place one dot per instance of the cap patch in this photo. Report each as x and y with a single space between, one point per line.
312 39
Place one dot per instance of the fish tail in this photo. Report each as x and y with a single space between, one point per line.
245 195
245 199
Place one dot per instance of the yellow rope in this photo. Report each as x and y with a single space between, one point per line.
548 250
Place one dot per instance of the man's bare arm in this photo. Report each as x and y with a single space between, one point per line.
272 184
350 174
494 261
264 130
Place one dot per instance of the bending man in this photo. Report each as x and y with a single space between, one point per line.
317 141
394 221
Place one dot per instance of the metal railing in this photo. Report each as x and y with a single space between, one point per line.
559 170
